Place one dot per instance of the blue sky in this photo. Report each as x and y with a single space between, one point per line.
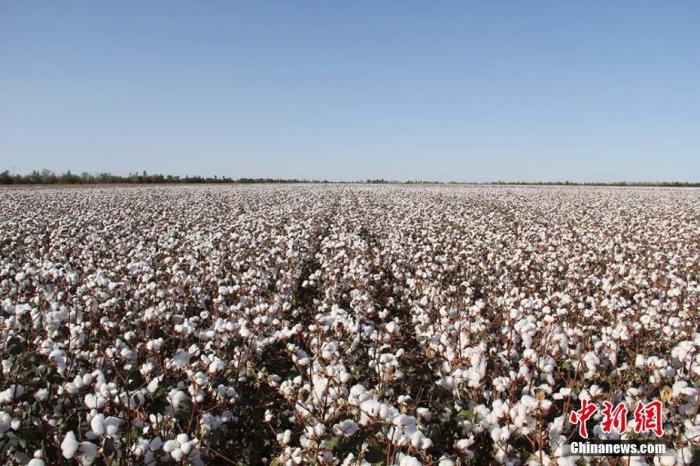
465 91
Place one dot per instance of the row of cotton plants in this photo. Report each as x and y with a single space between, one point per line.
343 324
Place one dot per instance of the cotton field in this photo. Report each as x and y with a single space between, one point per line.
342 324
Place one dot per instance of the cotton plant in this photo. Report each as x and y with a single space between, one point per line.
352 325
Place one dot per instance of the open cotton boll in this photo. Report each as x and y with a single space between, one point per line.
177 454
5 422
170 445
180 360
69 445
104 426
41 395
97 424
539 458
177 398
88 453
285 437
11 393
58 357
180 447
407 460
95 401
424 413
153 385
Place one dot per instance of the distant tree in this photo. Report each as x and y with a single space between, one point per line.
6 178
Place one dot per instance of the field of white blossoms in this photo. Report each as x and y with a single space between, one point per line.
342 324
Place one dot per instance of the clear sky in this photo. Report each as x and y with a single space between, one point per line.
467 91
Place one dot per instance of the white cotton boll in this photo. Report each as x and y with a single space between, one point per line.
177 454
591 361
36 462
186 447
88 452
182 438
464 444
696 370
93 401
424 414
14 391
216 365
41 394
687 454
358 394
385 412
180 360
444 461
5 422
683 350
348 427
545 405
71 388
177 397
6 366
170 445
97 424
319 430
146 368
584 395
69 445
669 459
692 431
404 420
285 437
530 355
407 460
562 393
58 357
448 383
416 439
112 425
500 384
680 388
153 385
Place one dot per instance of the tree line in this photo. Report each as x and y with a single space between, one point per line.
50 177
